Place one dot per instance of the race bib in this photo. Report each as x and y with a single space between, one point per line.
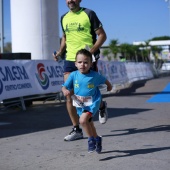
82 101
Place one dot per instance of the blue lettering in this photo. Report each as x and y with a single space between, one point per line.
10 87
113 69
60 71
55 72
13 74
22 72
52 72
2 73
56 83
8 74
24 86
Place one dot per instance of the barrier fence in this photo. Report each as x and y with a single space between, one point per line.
24 78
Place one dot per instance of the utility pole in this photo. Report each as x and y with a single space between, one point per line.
1 26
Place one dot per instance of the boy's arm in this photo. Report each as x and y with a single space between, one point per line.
68 85
109 86
65 91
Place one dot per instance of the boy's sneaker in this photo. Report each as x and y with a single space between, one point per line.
74 135
98 144
103 114
91 145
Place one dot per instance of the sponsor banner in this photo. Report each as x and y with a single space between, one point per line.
115 72
29 77
123 72
20 78
138 71
131 72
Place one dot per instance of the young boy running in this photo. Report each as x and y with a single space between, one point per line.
85 84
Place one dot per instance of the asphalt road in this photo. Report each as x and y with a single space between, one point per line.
136 136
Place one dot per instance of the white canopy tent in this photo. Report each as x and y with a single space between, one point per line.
159 43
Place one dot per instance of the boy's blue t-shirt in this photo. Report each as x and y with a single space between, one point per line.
86 85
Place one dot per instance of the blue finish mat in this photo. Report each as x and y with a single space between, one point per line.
162 97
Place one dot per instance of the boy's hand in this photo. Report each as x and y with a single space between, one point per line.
65 92
109 88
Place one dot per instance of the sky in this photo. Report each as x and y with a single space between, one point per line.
124 20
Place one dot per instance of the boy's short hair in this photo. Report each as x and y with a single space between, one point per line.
84 52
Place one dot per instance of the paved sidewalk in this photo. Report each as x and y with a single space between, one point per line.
136 136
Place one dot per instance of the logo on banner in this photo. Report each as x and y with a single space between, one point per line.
42 77
13 78
1 87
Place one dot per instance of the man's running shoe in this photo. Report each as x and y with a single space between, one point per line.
74 135
98 144
91 145
103 115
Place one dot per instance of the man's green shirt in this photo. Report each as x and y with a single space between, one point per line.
79 29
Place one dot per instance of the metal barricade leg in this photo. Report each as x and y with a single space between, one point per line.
22 103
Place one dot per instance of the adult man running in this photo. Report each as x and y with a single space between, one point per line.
80 28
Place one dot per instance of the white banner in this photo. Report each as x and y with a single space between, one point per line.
19 78
122 72
115 72
29 77
138 71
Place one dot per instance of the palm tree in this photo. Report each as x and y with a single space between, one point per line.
135 50
7 47
106 53
147 51
124 50
113 45
127 51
